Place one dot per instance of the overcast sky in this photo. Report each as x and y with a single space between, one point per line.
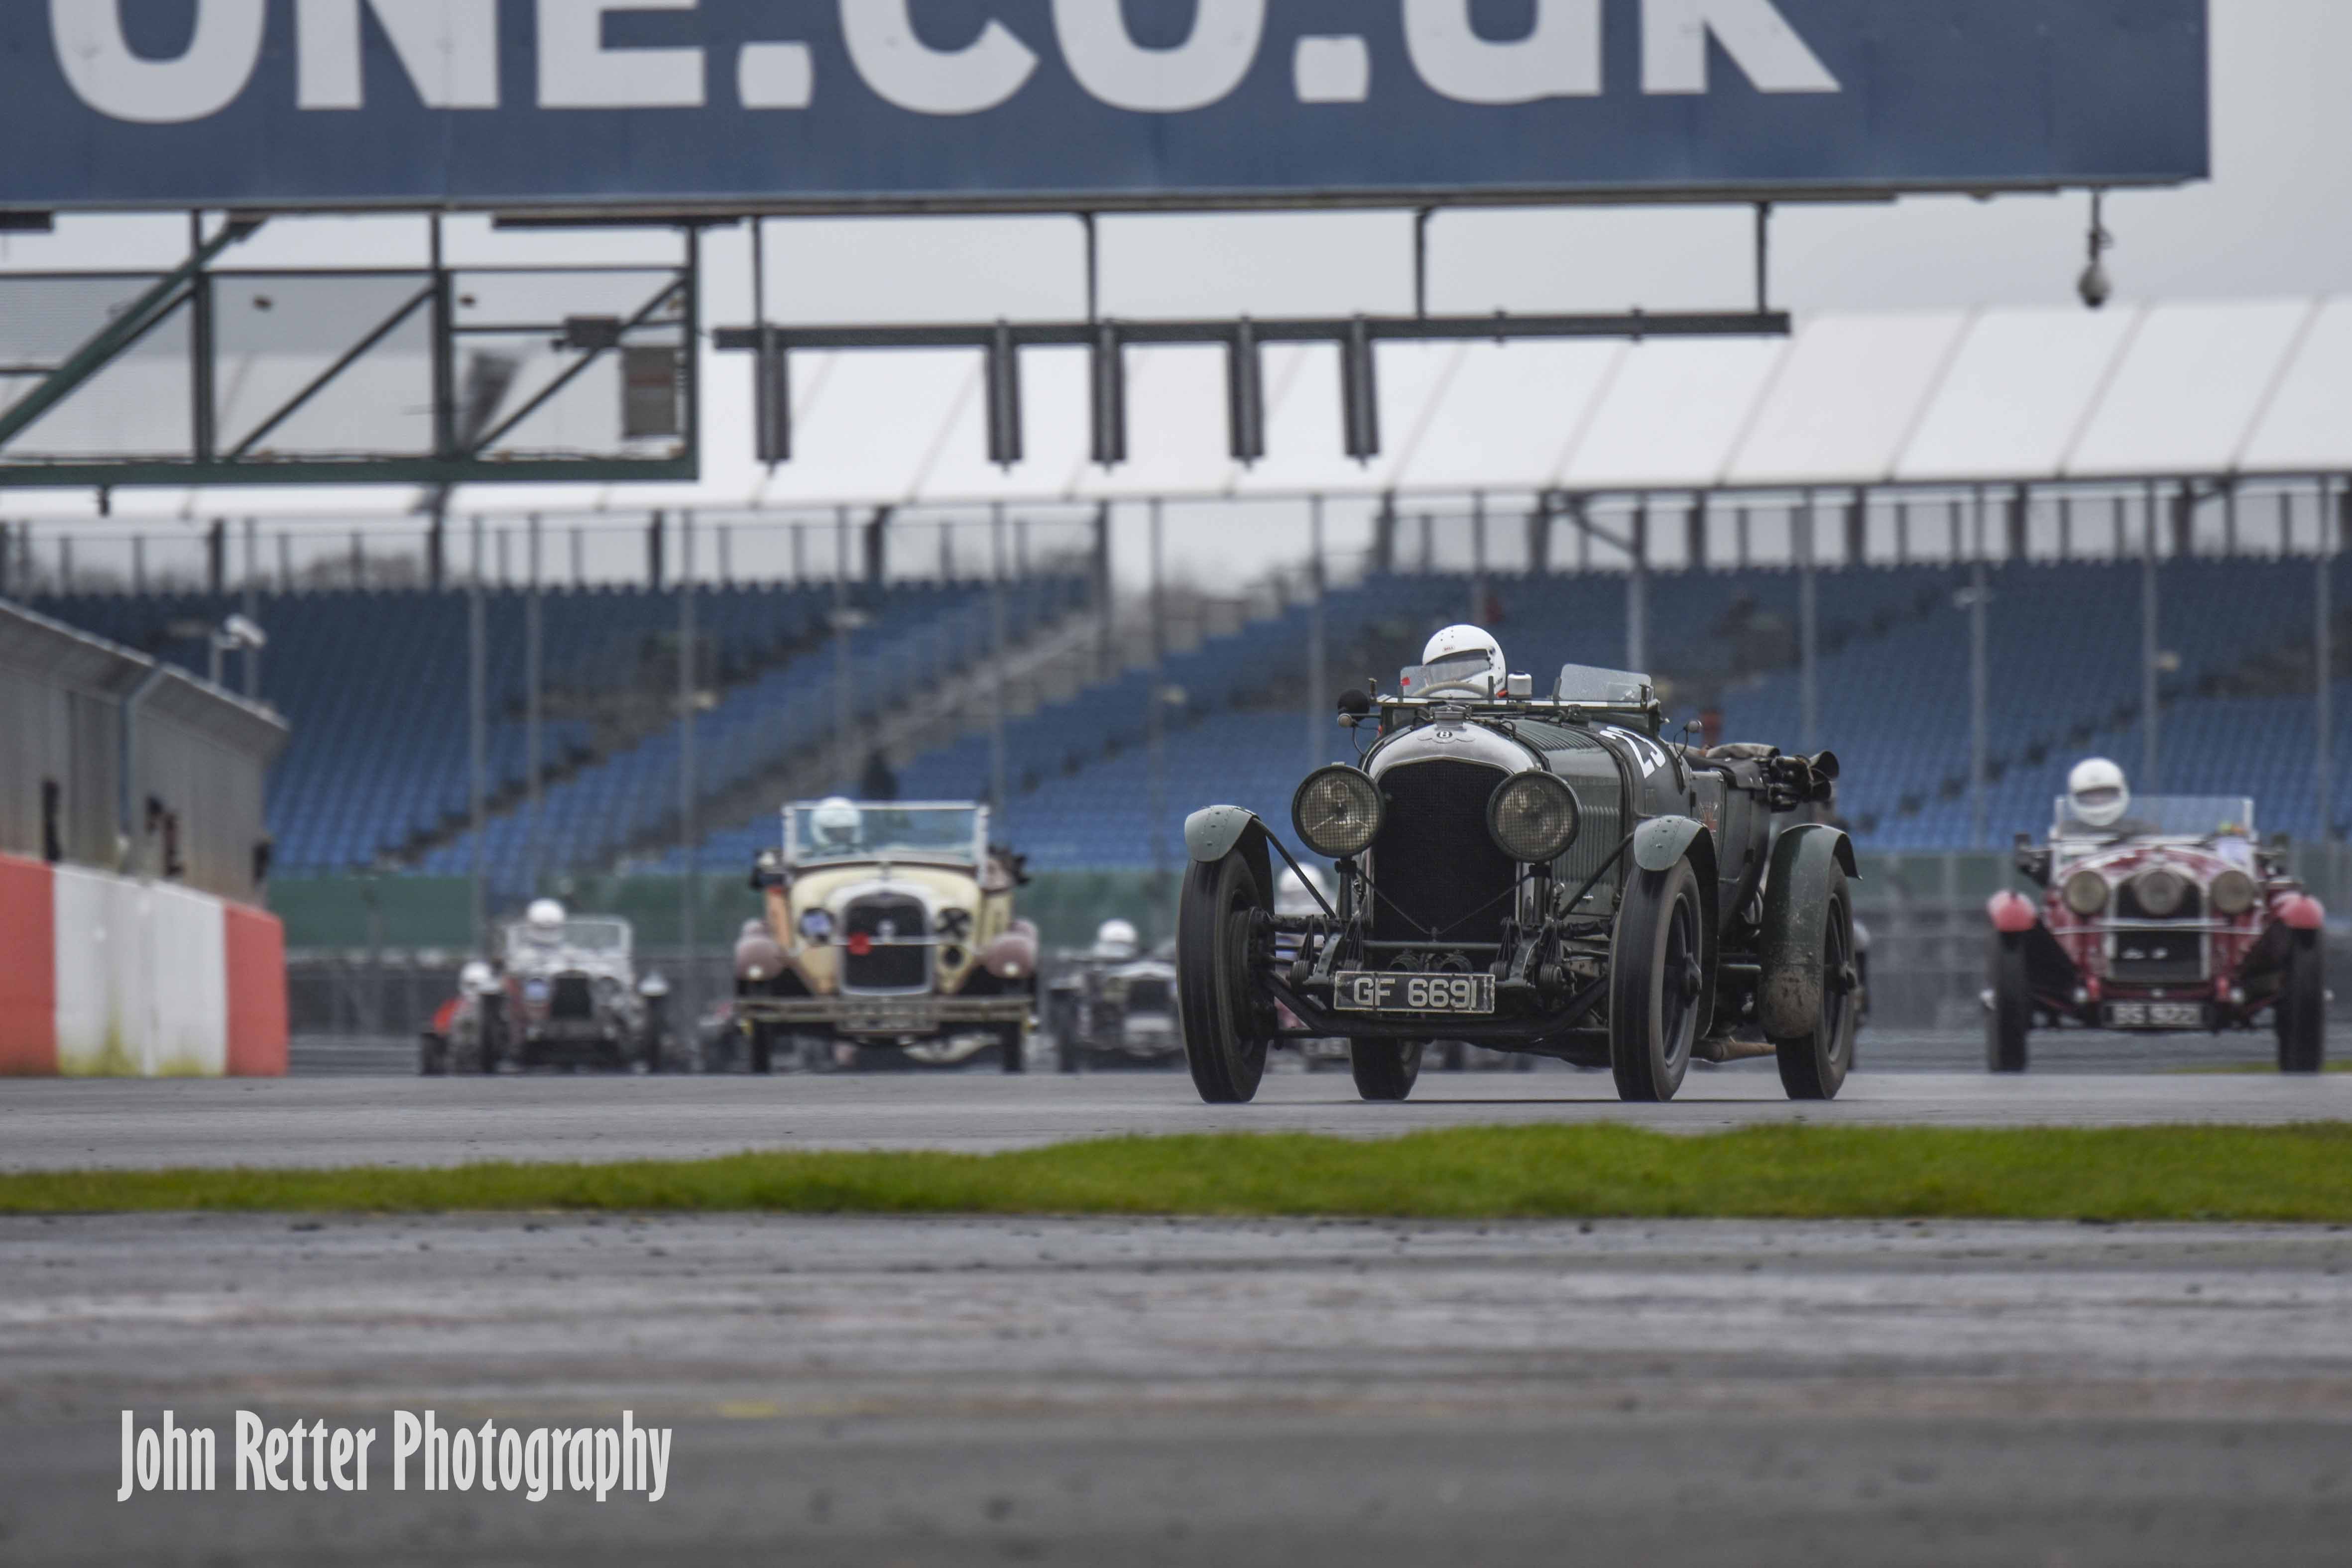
2275 220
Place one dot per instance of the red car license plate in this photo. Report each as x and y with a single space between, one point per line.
2157 1015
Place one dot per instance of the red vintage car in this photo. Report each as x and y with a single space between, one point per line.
2172 918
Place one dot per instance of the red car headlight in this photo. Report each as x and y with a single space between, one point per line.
2160 892
2232 894
2086 892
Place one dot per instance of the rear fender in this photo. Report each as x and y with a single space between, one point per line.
1213 834
1807 861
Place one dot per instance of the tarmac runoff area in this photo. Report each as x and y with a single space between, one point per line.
1086 1392
81 1125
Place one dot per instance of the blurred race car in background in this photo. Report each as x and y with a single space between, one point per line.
1113 1004
890 941
2159 916
564 992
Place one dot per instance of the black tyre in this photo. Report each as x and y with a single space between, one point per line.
433 1057
2301 1015
1813 1065
1227 1026
1385 1068
1654 975
1067 1056
1013 1044
763 1047
2010 1014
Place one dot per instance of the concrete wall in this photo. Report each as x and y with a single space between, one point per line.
108 976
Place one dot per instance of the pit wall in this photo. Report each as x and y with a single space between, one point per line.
104 977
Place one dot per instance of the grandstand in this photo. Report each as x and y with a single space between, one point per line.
375 686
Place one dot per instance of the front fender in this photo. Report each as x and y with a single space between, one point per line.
1807 861
1661 842
1215 831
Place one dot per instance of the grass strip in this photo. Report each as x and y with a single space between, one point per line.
2294 1174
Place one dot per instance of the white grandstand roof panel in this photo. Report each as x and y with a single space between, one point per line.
1175 427
1056 437
1846 398
2190 389
1305 440
1305 436
2309 421
2016 394
1505 416
866 425
1670 413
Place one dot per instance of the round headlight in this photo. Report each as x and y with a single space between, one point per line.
2160 892
2233 893
2086 892
1533 817
1338 812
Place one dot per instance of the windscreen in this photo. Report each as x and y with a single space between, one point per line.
838 830
1589 684
600 937
2168 817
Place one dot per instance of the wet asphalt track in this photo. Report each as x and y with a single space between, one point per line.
1095 1392
52 1125
932 1392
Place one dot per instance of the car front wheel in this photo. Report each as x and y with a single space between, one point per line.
2301 1010
1217 938
1654 977
2009 1012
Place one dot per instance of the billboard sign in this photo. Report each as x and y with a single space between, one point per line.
1005 104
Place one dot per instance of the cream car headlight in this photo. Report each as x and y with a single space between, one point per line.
1338 812
2086 892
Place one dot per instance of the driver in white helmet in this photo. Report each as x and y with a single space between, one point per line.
837 825
542 924
1462 662
1116 941
2098 795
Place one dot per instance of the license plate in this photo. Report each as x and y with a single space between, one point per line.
890 1017
2156 1014
1361 991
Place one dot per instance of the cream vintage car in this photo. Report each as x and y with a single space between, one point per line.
889 939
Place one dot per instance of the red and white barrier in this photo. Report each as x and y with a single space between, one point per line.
103 977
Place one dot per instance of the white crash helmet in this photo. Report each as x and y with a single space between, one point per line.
543 921
1116 939
477 978
2097 793
1463 660
837 823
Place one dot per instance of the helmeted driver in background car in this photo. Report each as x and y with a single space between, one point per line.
837 824
543 924
1116 941
2098 796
